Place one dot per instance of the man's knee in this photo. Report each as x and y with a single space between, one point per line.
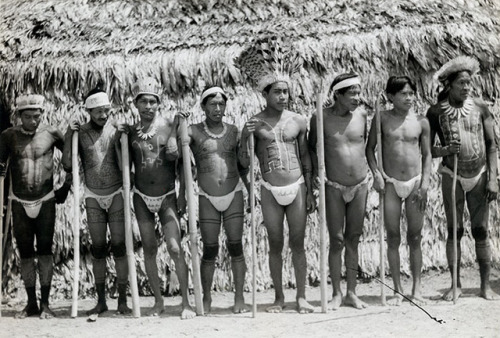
235 248
337 243
460 233
393 239
480 233
119 250
414 239
99 251
210 252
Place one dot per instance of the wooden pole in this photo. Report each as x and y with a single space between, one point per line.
320 150
2 179
193 231
76 223
381 201
8 220
251 146
455 244
129 242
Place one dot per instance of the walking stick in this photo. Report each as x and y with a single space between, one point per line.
76 223
455 244
251 146
2 179
193 231
129 243
381 201
320 149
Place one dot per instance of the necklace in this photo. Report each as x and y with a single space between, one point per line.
153 128
456 113
212 135
26 132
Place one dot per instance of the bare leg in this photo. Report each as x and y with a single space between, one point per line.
273 215
335 216
146 222
415 219
392 225
296 216
459 195
171 229
354 228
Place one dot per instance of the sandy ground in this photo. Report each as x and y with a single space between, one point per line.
470 317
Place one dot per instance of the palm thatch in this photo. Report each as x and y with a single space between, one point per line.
63 48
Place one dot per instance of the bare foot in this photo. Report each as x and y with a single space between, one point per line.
156 310
418 299
28 311
187 312
304 307
277 307
46 312
448 295
336 301
351 299
396 300
123 309
98 309
240 306
489 294
207 304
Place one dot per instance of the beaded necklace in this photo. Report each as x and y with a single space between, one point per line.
212 135
456 113
153 128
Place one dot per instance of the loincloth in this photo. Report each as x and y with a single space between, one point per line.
403 188
467 183
221 203
104 201
284 195
32 208
348 192
153 203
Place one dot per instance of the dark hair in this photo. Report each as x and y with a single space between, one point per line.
443 94
341 78
205 100
395 84
97 89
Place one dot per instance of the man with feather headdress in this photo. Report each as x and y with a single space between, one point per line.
285 163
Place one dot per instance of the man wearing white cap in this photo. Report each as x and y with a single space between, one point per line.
215 148
103 194
30 147
153 144
464 126
346 185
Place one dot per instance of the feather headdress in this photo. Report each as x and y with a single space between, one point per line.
268 61
458 64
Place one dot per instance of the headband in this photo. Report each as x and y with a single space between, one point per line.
346 83
210 91
97 100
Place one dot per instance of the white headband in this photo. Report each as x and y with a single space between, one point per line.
346 83
97 100
211 91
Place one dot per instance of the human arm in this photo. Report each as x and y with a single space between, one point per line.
425 150
305 159
4 151
371 144
67 151
491 152
442 150
312 143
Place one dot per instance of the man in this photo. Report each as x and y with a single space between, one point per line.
154 152
30 147
346 184
215 148
406 161
103 194
464 126
285 163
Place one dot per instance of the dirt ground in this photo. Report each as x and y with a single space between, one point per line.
470 317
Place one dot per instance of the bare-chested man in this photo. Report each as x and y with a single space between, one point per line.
153 143
285 163
464 126
30 147
215 148
103 194
406 161
346 183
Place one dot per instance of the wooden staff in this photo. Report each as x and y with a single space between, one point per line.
129 242
2 179
193 231
381 200
76 223
251 150
454 210
320 150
